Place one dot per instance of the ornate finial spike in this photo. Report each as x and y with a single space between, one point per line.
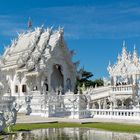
135 51
135 55
134 47
119 57
123 43
129 55
29 23
42 26
109 63
60 29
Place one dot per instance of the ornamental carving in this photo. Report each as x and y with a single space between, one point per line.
20 62
126 65
25 56
30 64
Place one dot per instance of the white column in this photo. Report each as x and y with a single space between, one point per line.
99 103
134 79
49 81
114 80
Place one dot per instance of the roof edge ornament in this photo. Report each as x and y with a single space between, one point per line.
124 52
135 55
124 44
119 58
109 68
61 30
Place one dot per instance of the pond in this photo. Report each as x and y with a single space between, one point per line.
72 134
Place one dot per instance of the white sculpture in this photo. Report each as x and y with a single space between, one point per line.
39 62
10 116
2 121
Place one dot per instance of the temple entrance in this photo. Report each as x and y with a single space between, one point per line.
24 88
57 80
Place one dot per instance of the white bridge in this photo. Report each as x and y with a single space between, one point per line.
99 92
103 92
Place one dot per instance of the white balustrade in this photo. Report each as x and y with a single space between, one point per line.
116 113
122 88
79 114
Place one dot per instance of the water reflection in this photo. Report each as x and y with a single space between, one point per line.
72 134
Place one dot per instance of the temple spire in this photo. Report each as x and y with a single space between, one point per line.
124 44
135 55
29 23
119 58
129 56
124 52
134 47
109 65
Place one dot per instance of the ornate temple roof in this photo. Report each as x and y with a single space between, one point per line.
30 47
127 64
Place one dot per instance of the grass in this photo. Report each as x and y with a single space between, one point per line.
104 126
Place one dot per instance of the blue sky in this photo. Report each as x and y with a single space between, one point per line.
95 29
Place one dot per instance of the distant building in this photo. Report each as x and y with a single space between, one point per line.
122 91
127 69
37 71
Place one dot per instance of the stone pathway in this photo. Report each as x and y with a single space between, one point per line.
38 119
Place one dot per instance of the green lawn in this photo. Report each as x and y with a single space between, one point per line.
105 126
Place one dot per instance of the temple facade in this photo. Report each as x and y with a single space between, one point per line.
37 60
37 71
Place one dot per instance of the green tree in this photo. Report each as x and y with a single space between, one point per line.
98 82
85 78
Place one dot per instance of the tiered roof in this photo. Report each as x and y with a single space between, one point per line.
32 48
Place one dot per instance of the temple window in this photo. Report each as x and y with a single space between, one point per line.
24 89
16 88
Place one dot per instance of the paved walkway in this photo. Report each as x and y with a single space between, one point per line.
38 119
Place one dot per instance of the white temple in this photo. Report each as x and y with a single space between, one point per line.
127 69
122 91
38 61
37 70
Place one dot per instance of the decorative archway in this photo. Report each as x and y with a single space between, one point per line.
95 105
119 103
57 79
127 103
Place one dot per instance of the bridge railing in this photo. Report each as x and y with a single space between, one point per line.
115 113
122 88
